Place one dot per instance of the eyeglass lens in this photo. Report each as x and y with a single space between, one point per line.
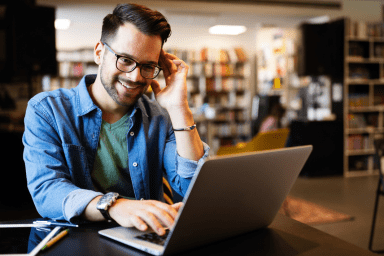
128 65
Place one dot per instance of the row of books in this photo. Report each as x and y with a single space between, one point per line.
82 55
356 121
231 129
76 69
362 121
53 83
233 55
358 142
359 72
361 29
219 84
215 69
358 100
232 116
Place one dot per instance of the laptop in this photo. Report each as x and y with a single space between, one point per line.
248 187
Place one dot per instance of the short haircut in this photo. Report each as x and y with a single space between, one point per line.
147 21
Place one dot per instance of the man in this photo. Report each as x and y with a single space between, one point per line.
86 146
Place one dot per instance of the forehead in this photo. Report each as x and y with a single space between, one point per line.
129 40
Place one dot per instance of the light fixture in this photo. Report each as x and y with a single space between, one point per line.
319 20
62 24
227 30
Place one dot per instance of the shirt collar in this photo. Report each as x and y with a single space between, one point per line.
85 103
83 99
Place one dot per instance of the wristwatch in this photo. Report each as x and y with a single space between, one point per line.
105 202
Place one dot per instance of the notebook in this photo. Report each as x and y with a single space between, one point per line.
248 187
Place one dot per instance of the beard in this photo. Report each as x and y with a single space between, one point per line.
127 99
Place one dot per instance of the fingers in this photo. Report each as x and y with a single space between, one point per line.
170 63
157 215
138 223
166 64
177 206
155 87
144 214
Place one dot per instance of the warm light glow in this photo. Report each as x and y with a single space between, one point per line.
319 20
62 24
227 30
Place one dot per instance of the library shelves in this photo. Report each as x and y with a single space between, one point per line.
219 94
218 85
72 66
363 96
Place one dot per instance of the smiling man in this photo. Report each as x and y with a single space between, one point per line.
100 150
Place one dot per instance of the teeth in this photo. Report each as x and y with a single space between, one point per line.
126 86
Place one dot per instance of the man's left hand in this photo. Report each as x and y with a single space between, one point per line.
174 95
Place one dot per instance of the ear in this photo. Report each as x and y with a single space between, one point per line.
98 53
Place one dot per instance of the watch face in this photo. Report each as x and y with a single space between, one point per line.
106 201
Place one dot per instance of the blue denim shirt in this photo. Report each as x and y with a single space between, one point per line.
61 137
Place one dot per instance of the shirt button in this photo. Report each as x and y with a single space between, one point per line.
131 133
135 164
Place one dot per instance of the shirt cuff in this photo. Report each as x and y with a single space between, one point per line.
186 168
75 203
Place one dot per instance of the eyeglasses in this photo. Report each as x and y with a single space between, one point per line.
127 65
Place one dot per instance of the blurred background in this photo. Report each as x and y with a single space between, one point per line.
319 62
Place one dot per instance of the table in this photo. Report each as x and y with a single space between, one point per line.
284 236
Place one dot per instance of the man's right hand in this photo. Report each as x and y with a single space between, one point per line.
137 213
143 213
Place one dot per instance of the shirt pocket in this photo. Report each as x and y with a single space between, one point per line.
77 163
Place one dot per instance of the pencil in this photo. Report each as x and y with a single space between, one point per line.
55 239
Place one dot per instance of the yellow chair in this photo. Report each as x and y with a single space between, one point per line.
168 195
262 141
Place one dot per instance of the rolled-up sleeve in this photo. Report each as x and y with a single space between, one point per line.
187 168
75 203
48 177
179 170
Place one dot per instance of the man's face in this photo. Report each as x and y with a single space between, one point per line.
126 88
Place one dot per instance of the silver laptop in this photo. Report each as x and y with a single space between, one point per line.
230 195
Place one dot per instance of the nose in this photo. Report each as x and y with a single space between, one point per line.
135 75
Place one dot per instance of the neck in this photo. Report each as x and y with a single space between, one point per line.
112 112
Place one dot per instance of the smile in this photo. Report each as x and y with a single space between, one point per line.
128 86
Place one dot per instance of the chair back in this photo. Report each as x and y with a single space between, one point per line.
262 141
270 140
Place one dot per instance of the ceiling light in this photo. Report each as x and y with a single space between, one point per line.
62 24
319 20
227 30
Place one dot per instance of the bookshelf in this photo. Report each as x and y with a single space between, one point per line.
219 94
218 85
72 66
363 96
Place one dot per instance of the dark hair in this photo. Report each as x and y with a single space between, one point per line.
148 21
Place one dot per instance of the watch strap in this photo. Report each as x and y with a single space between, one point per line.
105 202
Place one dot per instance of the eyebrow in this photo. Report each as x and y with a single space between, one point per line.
131 57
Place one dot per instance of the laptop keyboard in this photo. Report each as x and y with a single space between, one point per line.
154 238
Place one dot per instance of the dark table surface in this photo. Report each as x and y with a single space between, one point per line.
284 236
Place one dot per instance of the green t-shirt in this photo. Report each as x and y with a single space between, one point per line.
110 172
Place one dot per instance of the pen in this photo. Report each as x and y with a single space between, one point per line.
55 239
44 241
43 222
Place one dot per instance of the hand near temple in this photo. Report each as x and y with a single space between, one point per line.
174 95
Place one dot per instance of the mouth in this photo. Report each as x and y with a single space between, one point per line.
128 85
